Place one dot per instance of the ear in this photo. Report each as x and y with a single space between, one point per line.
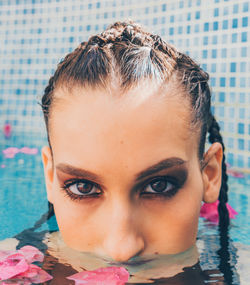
212 173
48 171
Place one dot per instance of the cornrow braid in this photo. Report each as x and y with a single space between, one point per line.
215 136
123 49
224 251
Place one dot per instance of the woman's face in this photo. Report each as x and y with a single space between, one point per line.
125 179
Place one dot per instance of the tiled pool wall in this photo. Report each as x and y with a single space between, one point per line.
36 34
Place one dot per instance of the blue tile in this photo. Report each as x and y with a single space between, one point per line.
234 37
214 39
244 36
215 26
34 46
242 113
206 27
235 23
205 40
233 67
245 22
241 128
212 81
242 98
164 7
222 81
245 7
235 8
230 158
197 15
214 53
232 81
242 82
204 54
244 52
221 96
213 67
240 161
224 53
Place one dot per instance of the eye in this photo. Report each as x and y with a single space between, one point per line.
159 186
82 188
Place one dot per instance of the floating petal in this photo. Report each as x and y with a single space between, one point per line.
210 212
31 254
104 276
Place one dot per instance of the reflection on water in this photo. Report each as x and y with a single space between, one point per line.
184 268
201 264
142 269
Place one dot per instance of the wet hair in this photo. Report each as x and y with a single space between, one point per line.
125 54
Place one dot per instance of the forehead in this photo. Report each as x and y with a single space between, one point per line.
106 124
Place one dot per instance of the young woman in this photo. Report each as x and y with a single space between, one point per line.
126 169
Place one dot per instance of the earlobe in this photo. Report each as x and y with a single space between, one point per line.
212 173
48 171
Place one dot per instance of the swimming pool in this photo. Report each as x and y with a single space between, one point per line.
23 202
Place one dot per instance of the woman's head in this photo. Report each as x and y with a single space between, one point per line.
127 117
125 56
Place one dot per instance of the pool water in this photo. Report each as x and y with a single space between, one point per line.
23 203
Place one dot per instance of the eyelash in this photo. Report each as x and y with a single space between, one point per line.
168 194
74 196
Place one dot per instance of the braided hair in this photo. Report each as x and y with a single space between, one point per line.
125 54
225 265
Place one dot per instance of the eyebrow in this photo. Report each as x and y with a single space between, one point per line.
163 164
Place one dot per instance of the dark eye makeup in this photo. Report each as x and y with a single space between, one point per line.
160 187
78 189
165 186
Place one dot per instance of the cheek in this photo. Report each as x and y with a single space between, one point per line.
75 221
188 210
172 226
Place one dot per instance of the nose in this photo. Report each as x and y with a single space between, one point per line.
123 239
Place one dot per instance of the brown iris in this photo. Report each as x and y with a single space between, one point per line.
84 187
159 185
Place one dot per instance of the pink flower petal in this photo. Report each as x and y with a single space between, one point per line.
31 253
17 265
12 265
35 274
10 152
107 276
4 254
210 212
235 173
3 283
7 129
28 150
9 155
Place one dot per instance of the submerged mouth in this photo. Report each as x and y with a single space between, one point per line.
131 262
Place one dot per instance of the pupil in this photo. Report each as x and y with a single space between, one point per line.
159 186
84 187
